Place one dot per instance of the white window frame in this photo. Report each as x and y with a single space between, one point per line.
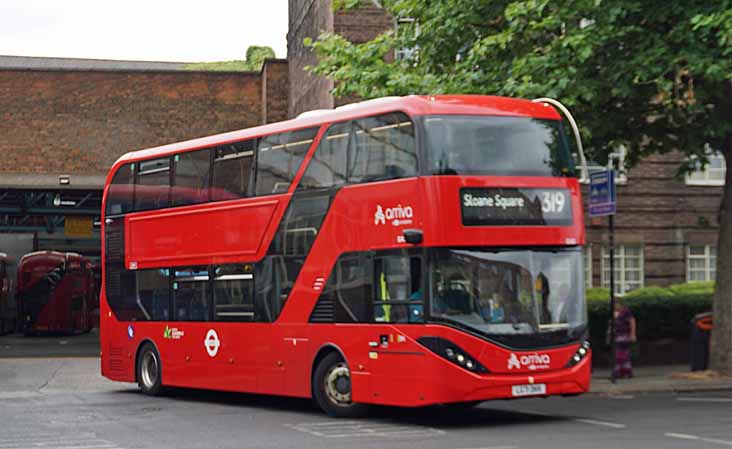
620 268
406 53
703 177
709 268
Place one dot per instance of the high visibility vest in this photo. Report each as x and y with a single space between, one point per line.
385 297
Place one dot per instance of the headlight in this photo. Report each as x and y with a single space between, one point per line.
581 353
452 352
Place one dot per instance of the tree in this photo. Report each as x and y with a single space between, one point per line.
655 76
255 57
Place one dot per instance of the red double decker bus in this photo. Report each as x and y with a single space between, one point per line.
402 251
7 313
55 293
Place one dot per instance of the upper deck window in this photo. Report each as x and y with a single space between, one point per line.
498 146
279 157
152 188
119 197
384 149
191 178
232 173
365 150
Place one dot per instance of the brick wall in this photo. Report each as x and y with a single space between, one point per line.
275 88
659 211
307 18
82 121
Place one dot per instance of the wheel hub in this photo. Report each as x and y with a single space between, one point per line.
149 371
338 384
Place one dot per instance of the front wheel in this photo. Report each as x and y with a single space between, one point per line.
332 388
149 371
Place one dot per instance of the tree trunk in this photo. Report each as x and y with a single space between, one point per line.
721 349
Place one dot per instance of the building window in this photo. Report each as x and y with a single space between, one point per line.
587 261
628 268
701 263
713 173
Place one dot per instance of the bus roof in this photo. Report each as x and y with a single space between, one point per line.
413 105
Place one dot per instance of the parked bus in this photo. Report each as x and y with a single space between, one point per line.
401 251
55 293
7 313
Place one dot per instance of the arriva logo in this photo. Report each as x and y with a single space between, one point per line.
531 361
397 216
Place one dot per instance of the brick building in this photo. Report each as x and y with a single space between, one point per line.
666 228
65 121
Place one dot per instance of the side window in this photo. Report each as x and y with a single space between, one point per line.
233 293
327 168
399 296
275 277
232 174
355 290
279 157
190 294
190 184
152 187
384 149
119 195
153 293
300 225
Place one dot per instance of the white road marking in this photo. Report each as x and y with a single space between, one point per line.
56 441
692 399
621 396
595 422
684 436
352 429
492 447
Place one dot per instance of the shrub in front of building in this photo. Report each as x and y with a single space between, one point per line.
662 313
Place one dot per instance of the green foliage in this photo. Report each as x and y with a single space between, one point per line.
255 57
660 312
237 65
652 75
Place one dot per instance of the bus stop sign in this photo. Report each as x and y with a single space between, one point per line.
602 193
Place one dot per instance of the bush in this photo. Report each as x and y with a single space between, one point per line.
660 312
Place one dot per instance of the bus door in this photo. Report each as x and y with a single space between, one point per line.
394 363
231 339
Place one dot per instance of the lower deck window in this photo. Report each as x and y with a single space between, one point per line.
233 293
190 294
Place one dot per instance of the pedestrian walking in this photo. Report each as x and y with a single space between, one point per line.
624 337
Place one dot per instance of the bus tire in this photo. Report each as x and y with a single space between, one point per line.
149 370
332 388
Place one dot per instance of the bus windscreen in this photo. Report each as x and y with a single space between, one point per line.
530 298
498 146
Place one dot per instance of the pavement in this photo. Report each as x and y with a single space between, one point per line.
657 379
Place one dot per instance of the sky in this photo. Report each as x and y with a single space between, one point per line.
145 30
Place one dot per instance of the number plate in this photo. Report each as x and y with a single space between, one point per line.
528 390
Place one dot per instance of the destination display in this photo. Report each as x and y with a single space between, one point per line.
493 206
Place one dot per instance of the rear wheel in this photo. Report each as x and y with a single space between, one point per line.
149 371
332 388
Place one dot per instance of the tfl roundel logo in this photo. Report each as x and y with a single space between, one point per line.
212 343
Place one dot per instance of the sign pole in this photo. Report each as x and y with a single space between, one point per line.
612 295
603 202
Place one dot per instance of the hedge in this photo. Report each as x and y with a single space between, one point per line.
660 312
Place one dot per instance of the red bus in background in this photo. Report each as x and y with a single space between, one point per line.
402 251
55 293
7 313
